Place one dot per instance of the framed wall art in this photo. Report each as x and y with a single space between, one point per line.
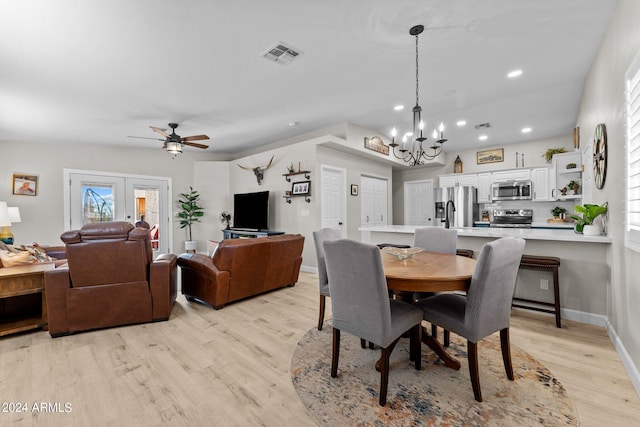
376 144
490 156
301 188
354 189
25 185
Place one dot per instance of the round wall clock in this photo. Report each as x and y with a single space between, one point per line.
600 155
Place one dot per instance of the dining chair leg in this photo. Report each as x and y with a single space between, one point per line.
434 331
447 337
384 372
335 353
416 346
321 316
472 351
506 352
363 343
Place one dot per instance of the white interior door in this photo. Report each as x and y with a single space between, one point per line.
99 197
333 198
418 202
373 201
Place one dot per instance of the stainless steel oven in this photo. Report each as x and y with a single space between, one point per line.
512 218
511 190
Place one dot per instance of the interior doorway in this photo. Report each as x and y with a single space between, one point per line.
418 202
333 198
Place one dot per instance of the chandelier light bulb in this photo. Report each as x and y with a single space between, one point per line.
435 134
441 127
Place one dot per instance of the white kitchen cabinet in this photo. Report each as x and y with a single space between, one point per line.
540 184
373 207
484 187
511 175
462 180
568 167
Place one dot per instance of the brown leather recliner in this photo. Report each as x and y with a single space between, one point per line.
110 280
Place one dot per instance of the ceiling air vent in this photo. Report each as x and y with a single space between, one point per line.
483 125
282 54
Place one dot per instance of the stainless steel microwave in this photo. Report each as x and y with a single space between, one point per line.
511 190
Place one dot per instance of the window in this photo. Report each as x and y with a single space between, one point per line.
632 106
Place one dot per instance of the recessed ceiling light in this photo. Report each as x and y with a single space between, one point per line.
483 137
515 73
399 107
461 122
526 130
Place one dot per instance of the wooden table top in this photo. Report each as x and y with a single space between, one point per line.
26 270
428 272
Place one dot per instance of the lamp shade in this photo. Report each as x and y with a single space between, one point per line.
4 215
14 214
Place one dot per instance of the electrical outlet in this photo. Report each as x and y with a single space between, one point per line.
544 284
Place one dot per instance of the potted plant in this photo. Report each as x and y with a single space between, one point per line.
574 185
584 223
191 212
548 155
557 212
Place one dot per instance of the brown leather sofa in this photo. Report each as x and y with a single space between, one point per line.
242 268
110 279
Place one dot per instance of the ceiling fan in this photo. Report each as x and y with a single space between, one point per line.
173 142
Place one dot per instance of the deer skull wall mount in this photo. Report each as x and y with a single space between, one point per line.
258 171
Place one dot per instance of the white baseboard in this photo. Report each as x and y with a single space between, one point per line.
632 369
582 317
308 269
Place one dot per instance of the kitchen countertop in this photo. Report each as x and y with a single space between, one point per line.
549 233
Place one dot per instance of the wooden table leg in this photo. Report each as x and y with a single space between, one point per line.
434 345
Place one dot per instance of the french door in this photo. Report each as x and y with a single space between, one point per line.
98 197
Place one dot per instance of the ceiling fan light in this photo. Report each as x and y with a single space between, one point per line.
174 147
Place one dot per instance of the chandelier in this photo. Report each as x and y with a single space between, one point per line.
413 151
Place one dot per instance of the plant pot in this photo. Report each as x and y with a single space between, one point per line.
190 245
591 230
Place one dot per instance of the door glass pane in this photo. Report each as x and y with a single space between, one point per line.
147 212
97 203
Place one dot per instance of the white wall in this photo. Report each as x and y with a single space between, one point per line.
603 102
42 215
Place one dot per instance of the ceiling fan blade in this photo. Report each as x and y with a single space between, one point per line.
160 131
193 144
195 138
145 137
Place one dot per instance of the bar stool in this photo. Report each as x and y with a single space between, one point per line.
544 263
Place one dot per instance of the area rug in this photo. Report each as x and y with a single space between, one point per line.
434 396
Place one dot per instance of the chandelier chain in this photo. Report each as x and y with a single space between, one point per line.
417 79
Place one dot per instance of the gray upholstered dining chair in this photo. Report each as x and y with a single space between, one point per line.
319 237
435 239
360 305
486 308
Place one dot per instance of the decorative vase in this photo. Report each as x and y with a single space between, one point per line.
190 245
591 230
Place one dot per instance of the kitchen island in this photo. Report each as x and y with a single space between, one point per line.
585 276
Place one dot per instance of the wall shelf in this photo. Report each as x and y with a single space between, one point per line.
306 197
287 176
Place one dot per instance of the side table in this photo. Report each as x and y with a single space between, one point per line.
23 305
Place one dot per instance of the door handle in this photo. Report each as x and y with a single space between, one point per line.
367 218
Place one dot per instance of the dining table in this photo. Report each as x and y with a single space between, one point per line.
428 272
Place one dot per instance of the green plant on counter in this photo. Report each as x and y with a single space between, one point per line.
589 214
548 155
557 211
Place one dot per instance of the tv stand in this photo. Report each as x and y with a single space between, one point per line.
231 233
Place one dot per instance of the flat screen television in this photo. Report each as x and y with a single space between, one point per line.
251 210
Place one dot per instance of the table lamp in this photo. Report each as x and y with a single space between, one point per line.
8 216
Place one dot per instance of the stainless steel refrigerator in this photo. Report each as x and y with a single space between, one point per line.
455 206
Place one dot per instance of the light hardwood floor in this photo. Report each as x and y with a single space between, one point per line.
208 367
